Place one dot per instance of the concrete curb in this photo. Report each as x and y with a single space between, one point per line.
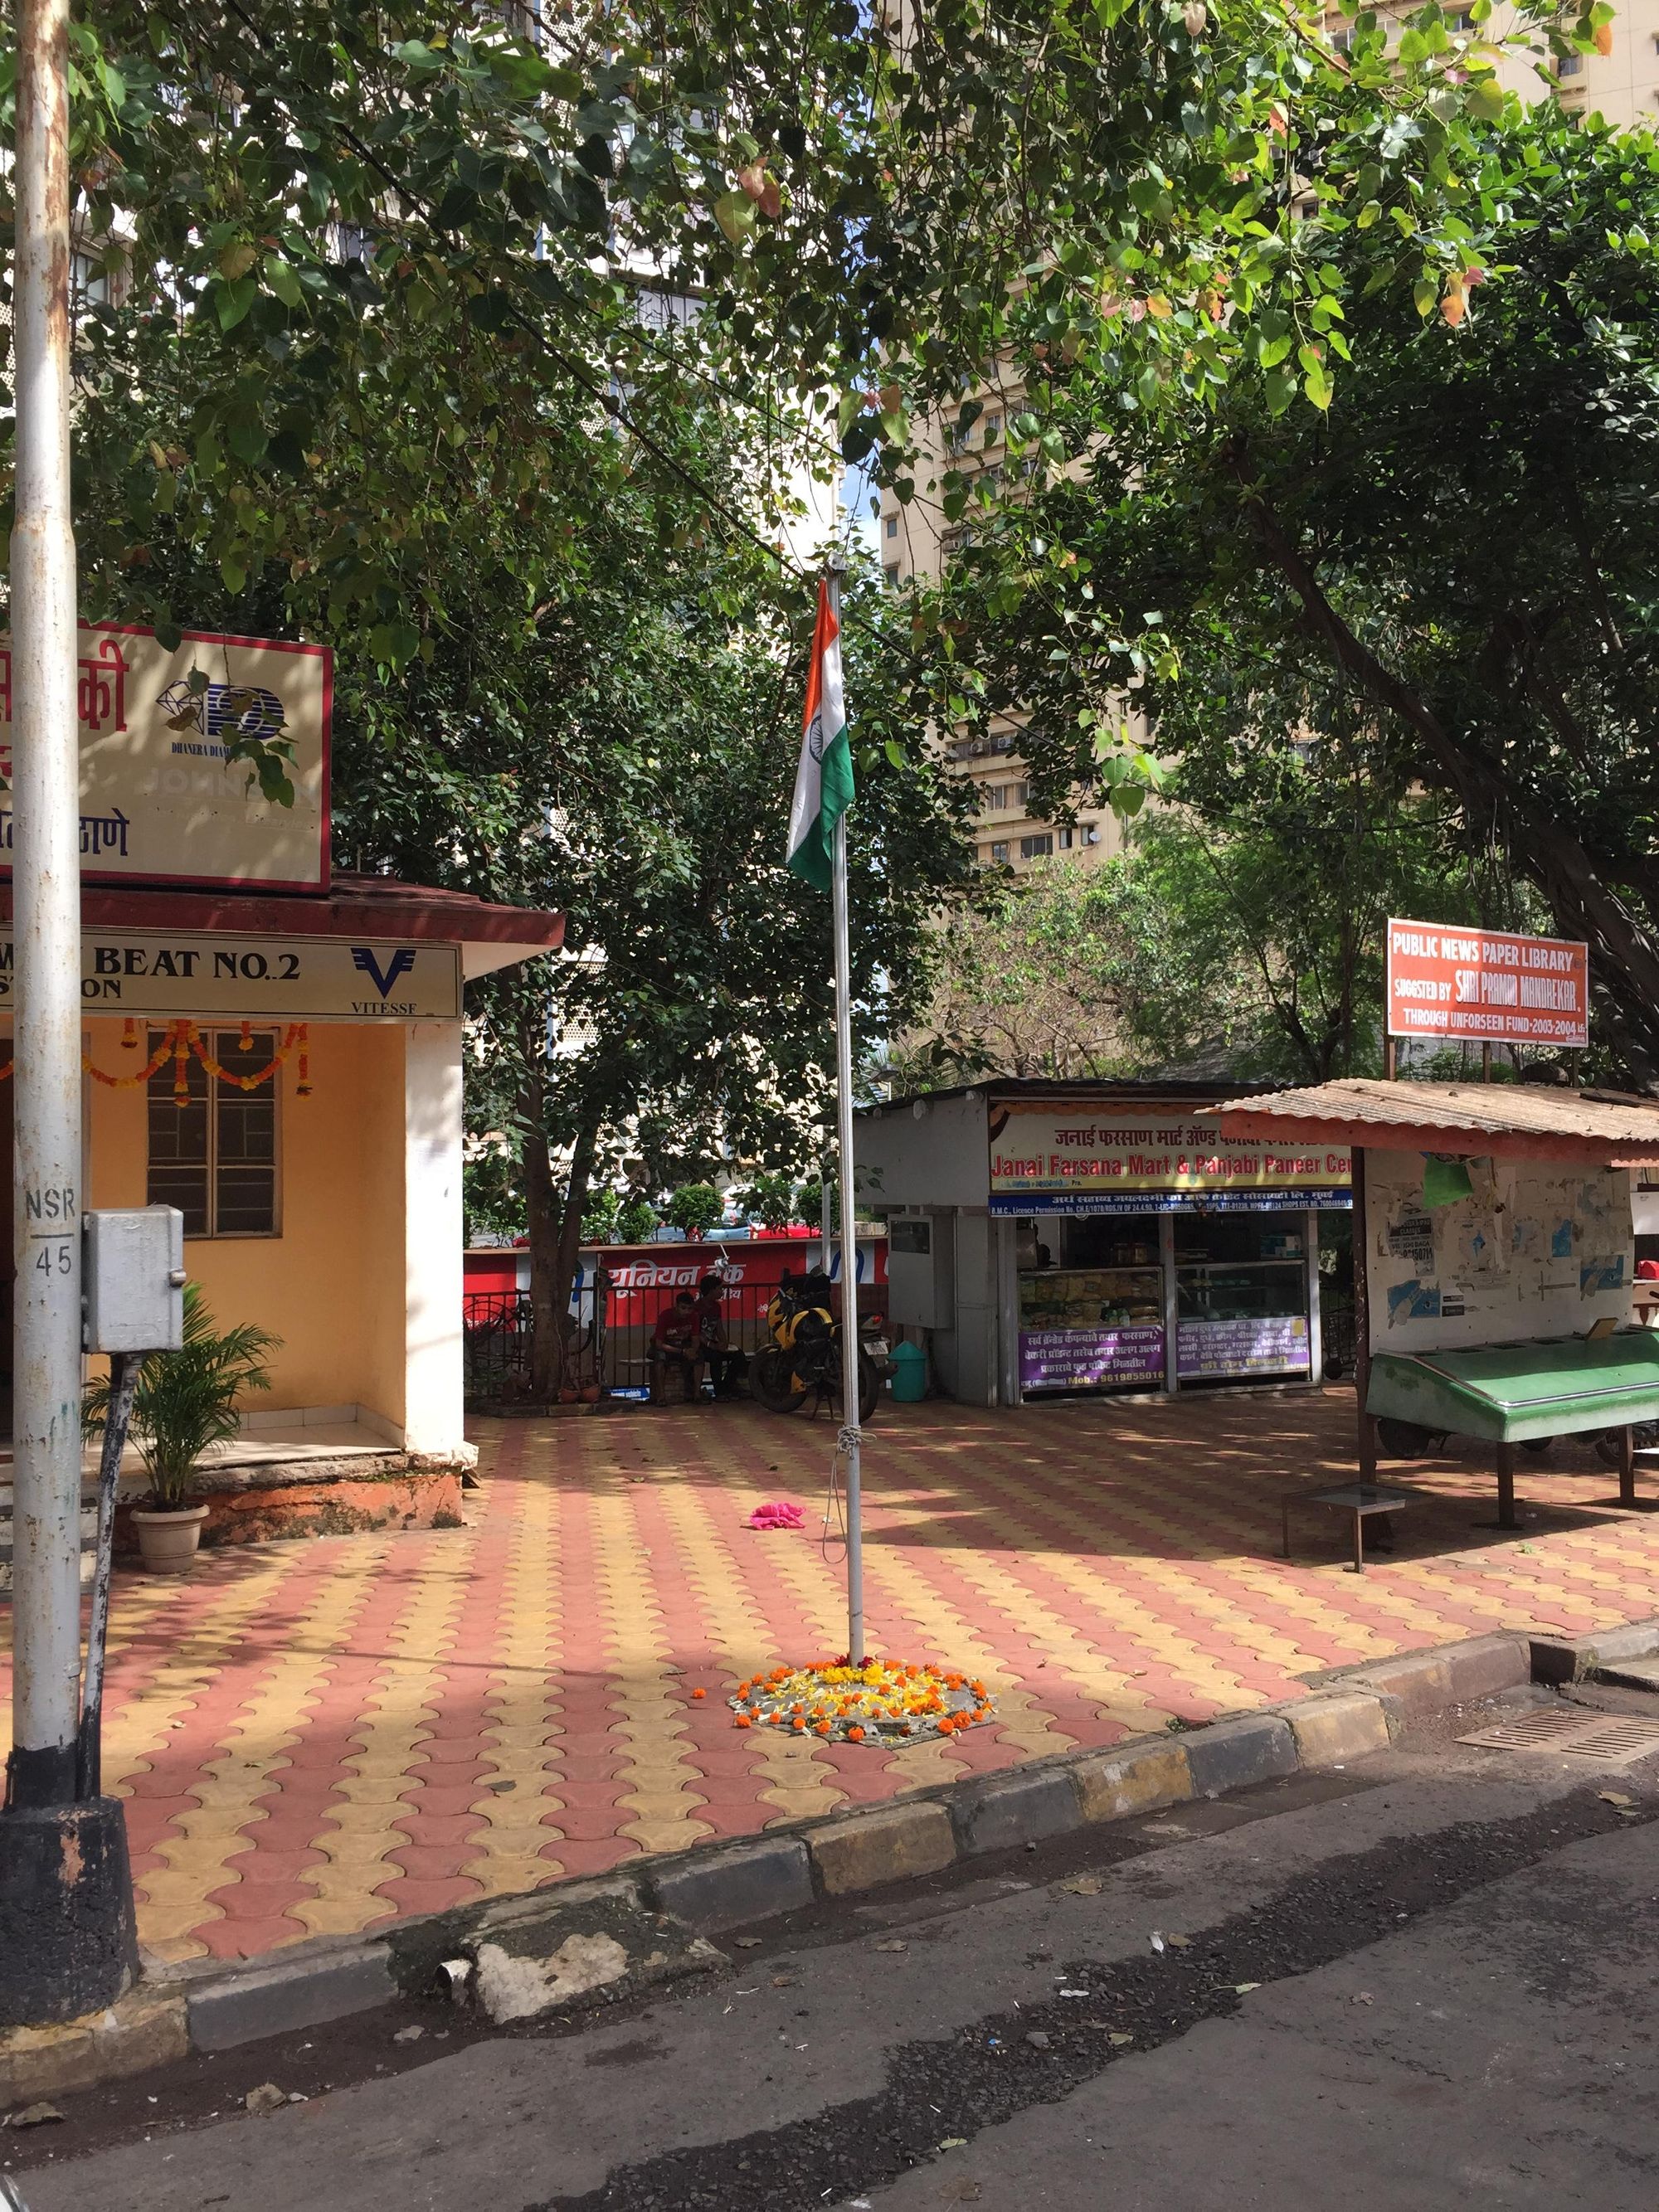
593 1942
1565 1659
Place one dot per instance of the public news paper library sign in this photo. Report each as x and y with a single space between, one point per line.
1486 986
162 801
1069 1159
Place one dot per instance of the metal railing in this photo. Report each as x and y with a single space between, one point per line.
498 1337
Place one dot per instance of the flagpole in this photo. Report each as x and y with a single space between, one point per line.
851 1437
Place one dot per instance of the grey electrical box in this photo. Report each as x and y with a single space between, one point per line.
132 1280
921 1270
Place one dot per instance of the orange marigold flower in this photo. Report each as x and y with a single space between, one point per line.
699 1693
855 1735
744 1721
798 1724
821 1727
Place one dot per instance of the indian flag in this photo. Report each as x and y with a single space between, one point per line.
824 781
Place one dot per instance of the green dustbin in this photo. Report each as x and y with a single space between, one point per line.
909 1365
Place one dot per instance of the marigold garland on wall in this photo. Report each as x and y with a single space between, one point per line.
882 1701
181 1038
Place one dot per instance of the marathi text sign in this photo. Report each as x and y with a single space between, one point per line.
1090 1358
1064 1158
161 800
251 978
1274 1344
1487 985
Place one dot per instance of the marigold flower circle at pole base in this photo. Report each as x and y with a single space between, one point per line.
878 1701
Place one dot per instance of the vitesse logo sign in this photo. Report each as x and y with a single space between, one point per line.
217 973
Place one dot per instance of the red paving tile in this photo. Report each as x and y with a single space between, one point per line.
1107 1567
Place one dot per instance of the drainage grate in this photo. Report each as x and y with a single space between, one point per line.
1607 1738
1617 1742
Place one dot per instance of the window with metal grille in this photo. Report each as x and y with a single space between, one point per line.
213 1155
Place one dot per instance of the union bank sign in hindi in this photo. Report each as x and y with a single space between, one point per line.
162 799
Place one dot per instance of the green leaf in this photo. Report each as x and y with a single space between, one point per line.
232 300
283 281
394 644
735 214
1425 294
232 566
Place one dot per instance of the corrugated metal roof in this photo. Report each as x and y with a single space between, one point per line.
1515 1116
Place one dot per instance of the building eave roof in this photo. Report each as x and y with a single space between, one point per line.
1472 1120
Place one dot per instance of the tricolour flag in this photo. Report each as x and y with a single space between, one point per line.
824 781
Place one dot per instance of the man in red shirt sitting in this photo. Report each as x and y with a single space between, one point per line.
675 1346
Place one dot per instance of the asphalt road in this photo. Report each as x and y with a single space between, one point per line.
1428 1981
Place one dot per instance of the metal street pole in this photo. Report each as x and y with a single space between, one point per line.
46 879
851 1437
66 1937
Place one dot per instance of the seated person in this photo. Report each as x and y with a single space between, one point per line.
724 1365
674 1347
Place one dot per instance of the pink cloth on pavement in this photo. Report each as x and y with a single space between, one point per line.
779 1513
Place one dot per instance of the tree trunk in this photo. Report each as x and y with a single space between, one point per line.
547 1341
570 1235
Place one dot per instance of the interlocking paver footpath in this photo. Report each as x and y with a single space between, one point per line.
316 1737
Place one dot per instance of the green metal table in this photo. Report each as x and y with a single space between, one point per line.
1511 1394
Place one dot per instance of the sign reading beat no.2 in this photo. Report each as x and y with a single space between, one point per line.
214 974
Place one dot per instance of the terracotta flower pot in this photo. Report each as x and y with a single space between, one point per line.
167 1541
591 1393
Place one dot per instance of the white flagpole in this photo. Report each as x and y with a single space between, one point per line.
851 1436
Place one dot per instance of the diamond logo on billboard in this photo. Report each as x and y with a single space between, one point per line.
161 798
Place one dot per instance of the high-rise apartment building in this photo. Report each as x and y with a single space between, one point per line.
916 541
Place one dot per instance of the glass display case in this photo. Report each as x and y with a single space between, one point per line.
1241 1317
1091 1297
1091 1329
1240 1289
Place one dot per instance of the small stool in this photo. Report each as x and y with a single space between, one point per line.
1359 1498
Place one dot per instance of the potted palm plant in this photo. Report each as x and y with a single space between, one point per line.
185 1402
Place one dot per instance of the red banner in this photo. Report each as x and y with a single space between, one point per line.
1486 984
644 1277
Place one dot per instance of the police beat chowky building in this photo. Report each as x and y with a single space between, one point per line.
274 1049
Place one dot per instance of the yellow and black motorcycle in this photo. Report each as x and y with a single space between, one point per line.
803 1357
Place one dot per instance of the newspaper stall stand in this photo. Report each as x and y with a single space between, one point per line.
1493 1259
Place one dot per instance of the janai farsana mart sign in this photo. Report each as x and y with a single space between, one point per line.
1486 984
161 800
1068 1158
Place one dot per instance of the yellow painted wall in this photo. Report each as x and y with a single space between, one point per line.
332 1284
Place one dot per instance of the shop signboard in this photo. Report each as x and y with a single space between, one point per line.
1064 1157
1089 1359
161 800
1486 984
222 974
1274 1344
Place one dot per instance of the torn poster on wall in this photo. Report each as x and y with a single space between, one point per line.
1533 1250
